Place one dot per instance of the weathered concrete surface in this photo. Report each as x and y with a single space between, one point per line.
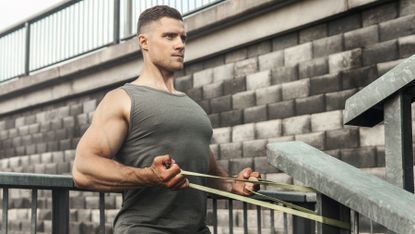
367 194
365 107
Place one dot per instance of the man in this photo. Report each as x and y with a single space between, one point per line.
145 132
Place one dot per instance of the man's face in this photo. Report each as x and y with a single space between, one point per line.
165 44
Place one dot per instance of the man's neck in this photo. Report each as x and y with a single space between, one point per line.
156 78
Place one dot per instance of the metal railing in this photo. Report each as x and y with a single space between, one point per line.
75 28
61 185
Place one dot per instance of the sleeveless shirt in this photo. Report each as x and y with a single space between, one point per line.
164 123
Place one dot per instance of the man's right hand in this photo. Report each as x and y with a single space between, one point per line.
166 173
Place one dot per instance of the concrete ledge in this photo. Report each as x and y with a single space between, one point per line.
375 198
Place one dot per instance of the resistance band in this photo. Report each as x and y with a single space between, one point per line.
289 209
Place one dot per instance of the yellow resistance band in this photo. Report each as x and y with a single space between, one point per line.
290 209
292 187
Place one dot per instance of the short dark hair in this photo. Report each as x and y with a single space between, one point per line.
156 13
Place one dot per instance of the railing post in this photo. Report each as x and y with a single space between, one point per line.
328 207
60 211
34 211
116 36
398 141
5 218
215 215
102 213
27 49
354 219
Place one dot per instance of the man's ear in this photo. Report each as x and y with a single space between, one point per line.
143 41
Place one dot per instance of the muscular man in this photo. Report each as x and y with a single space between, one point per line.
145 132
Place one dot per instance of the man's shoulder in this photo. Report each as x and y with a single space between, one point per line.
117 100
117 94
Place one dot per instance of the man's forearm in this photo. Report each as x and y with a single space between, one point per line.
103 174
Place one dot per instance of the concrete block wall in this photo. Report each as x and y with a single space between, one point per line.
292 86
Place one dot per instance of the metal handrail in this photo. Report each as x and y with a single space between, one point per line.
61 185
75 28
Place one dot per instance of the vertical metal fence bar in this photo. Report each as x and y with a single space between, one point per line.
59 35
96 24
34 211
16 53
5 218
355 222
32 45
285 221
27 49
230 203
332 209
102 26
67 35
77 28
60 211
398 141
371 226
102 213
48 33
89 25
13 54
245 214
128 18
111 21
135 11
41 41
258 219
215 215
55 26
7 52
2 59
116 36
272 217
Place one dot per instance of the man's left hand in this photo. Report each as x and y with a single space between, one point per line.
246 188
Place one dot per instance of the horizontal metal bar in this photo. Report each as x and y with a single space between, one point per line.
39 16
31 180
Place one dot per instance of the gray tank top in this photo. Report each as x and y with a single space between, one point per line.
164 123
